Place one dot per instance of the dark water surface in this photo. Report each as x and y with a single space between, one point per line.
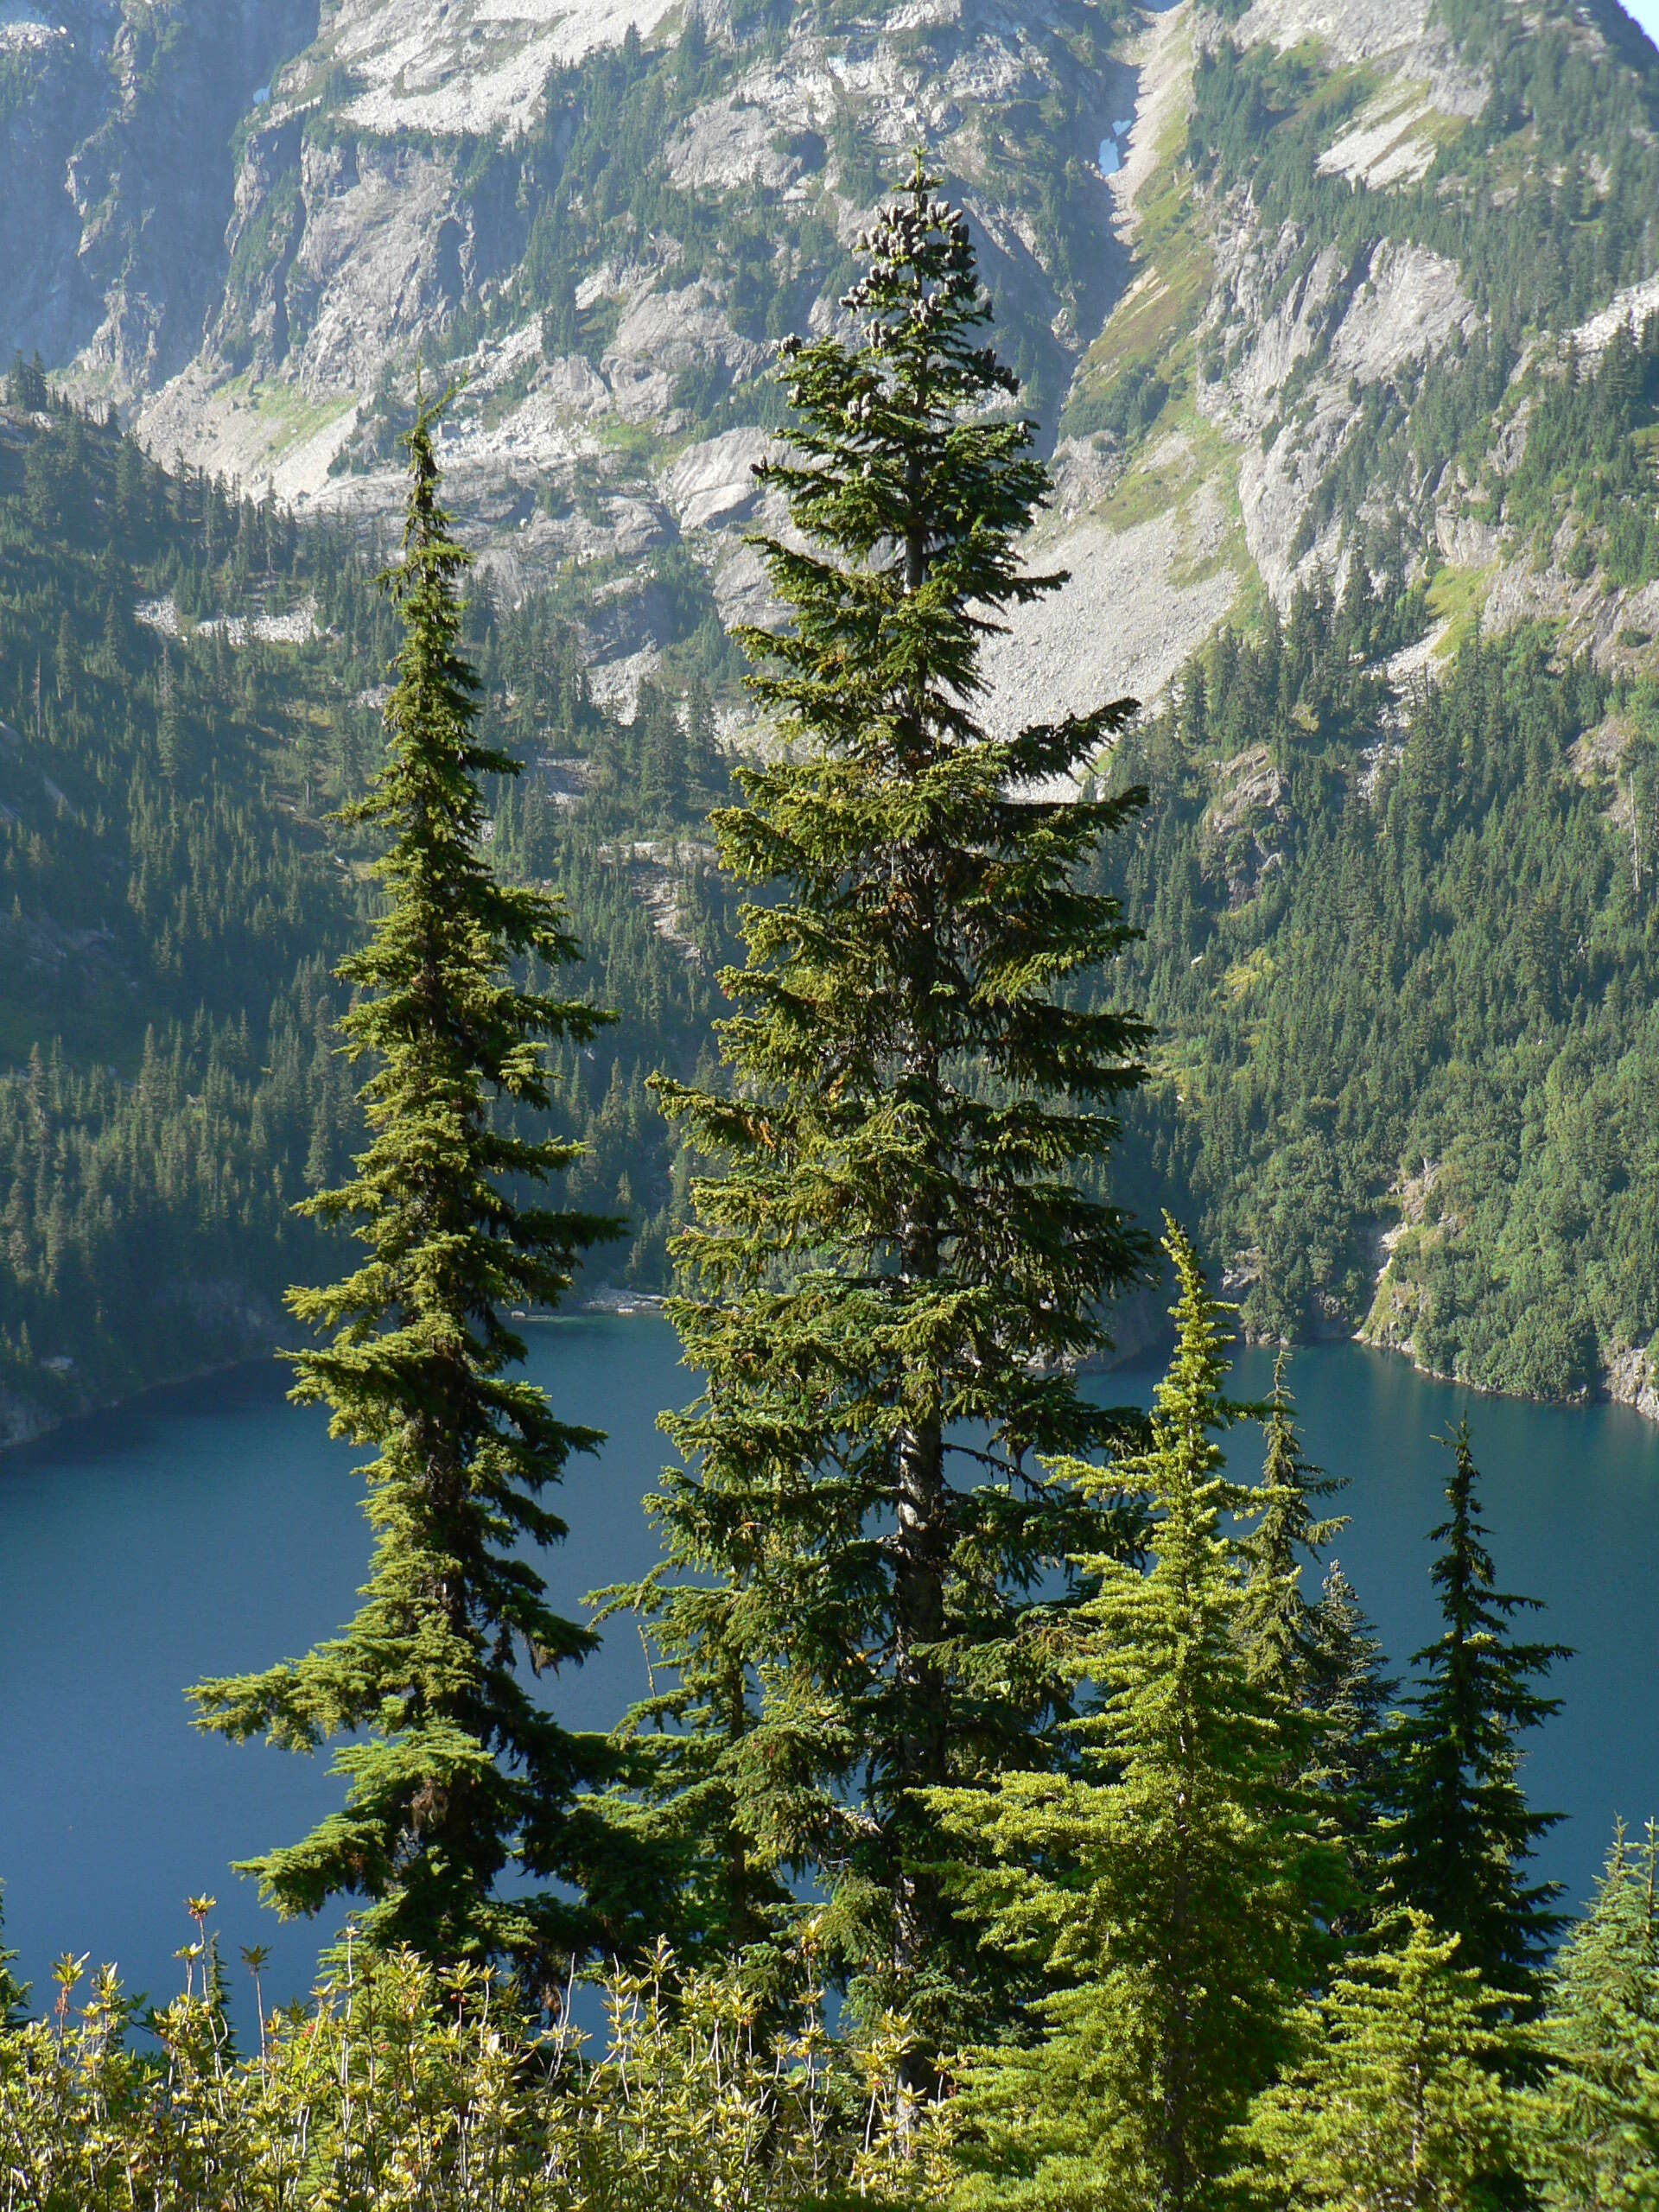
214 1527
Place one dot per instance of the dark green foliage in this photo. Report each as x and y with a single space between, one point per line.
166 920
1462 1831
891 1274
1352 1694
457 1775
1283 1628
26 385
168 923
1590 457
1541 201
1171 1887
1430 944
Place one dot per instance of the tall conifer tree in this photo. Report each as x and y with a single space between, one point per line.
457 1777
892 1274
1174 1889
1462 1832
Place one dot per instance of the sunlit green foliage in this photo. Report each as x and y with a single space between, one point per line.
1403 960
402 2085
1173 1887
1397 2101
1595 2119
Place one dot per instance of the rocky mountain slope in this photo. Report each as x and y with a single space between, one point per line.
1320 305
247 223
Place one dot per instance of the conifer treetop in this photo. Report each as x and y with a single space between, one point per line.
913 479
1399 2097
1464 1832
1284 1628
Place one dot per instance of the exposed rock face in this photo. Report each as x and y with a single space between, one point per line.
1371 325
119 151
352 190
1628 310
245 217
1124 623
1351 30
1245 824
469 65
1631 1380
1421 61
22 1418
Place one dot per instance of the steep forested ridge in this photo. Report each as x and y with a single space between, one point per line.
175 895
1038 1843
1403 964
1397 883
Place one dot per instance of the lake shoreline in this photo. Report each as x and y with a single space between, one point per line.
1631 1383
215 1527
26 1420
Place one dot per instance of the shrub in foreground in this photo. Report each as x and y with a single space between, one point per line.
402 2085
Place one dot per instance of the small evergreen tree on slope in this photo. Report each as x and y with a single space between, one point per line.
1397 2103
1352 1695
457 1777
1173 1888
1595 2116
1282 1625
891 1274
1461 1831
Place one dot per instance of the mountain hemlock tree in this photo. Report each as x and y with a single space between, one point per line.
456 1775
1281 1626
1173 1887
890 1278
1461 1830
1595 2117
1352 1694
1398 2100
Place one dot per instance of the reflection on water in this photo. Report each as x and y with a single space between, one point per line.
214 1527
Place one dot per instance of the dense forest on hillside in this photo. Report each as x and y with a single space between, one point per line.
189 686
1396 872
1402 951
1021 1817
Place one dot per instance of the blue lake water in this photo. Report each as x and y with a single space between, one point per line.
214 1527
